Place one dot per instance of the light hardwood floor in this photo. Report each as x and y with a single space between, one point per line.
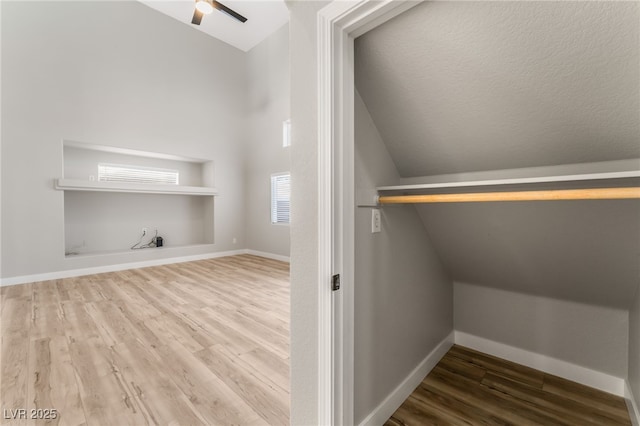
203 342
471 388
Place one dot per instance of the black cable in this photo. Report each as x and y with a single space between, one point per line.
150 244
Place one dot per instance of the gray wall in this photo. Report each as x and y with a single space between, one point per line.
268 107
110 73
584 251
304 204
508 89
554 278
403 296
634 347
594 337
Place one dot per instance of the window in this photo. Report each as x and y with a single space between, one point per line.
280 193
137 174
286 133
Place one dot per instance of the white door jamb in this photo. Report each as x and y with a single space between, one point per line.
339 23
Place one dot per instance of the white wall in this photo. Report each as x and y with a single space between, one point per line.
594 337
268 107
96 222
403 296
304 204
107 221
634 347
119 74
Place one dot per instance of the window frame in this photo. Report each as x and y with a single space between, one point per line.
137 174
273 213
286 133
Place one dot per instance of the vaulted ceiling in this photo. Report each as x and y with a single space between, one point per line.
264 17
468 86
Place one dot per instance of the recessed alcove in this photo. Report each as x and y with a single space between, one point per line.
105 217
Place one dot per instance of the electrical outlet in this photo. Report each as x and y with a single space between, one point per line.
235 240
375 221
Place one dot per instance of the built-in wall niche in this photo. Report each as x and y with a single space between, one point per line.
107 213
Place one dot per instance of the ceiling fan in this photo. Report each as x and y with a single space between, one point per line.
205 7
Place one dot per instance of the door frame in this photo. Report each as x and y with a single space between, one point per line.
338 24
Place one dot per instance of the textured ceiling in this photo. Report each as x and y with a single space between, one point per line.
467 86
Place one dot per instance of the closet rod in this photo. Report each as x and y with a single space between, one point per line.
548 195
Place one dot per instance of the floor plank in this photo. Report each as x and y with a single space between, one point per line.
16 319
53 382
603 401
272 404
203 342
471 388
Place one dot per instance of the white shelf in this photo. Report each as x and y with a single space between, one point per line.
129 251
140 188
515 181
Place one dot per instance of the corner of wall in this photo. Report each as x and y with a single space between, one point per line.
633 371
391 403
632 405
396 270
268 87
586 376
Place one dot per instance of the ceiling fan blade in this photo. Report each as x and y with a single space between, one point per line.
197 17
222 8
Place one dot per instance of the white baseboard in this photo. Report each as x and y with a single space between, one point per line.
391 403
567 370
111 268
632 406
268 255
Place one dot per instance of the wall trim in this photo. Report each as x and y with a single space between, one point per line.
634 411
567 370
391 403
338 24
111 268
268 255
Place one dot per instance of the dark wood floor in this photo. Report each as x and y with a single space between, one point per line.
472 388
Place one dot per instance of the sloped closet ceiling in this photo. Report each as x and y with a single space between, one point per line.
457 87
468 86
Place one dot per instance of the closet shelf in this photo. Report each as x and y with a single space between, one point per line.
515 181
549 195
614 184
140 188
